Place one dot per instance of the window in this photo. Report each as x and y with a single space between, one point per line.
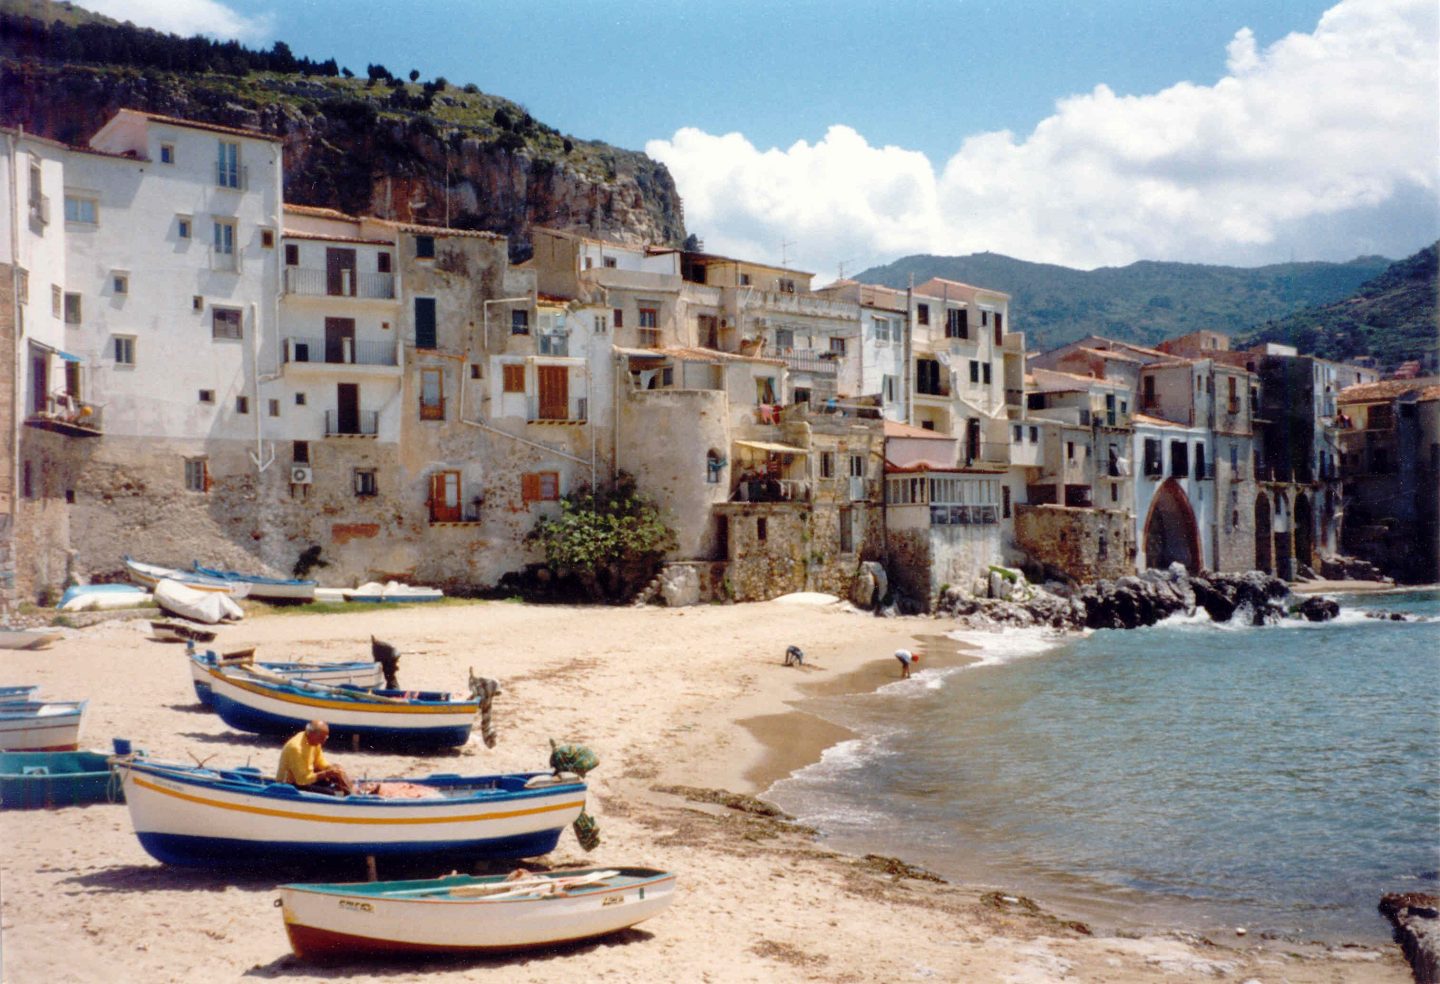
520 322
292 254
714 466
424 322
928 378
744 280
57 300
1018 434
81 210
267 238
513 378
227 165
765 389
602 324
608 262
827 464
837 346
475 370
167 153
382 263
432 394
922 313
1200 461
197 303
224 245
1179 459
974 371
785 285
299 399
1154 466
300 452
197 474
424 247
1069 450
207 396
619 318
183 227
890 387
120 283
857 466
540 487
784 339
1034 435
365 482
882 329
957 323
999 328
847 530
649 318
226 323
72 309
985 373
273 407
1005 501
242 404
762 529
124 348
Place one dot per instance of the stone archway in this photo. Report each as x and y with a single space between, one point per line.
1171 533
1304 532
1264 541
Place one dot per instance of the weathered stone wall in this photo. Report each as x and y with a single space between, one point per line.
1086 544
775 566
907 561
1234 507
923 561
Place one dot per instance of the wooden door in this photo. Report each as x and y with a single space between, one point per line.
39 382
337 332
347 407
554 384
340 272
445 497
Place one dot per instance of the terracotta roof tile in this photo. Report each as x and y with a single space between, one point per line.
1426 388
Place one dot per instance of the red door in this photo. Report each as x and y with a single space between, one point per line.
554 384
445 497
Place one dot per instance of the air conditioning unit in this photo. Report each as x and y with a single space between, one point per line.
301 475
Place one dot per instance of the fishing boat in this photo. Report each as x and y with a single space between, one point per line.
359 673
185 601
261 587
191 815
392 592
150 575
34 780
28 638
466 914
103 597
41 725
24 692
178 630
250 699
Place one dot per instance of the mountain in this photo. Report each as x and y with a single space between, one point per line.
428 152
1144 302
1394 317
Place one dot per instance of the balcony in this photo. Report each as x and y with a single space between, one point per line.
232 176
306 282
63 414
771 490
303 349
363 423
574 411
816 363
225 260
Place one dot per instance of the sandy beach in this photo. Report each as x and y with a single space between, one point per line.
670 700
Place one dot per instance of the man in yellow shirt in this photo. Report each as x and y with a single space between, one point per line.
303 765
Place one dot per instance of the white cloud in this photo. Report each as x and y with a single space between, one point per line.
187 18
1315 126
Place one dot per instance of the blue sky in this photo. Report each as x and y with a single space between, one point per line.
1083 133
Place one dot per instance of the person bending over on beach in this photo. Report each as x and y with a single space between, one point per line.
906 657
794 656
303 765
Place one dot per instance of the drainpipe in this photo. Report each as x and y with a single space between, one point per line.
615 458
908 350
258 455
17 391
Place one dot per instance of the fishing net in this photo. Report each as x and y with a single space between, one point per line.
572 758
587 831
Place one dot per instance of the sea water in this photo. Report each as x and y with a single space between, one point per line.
1188 775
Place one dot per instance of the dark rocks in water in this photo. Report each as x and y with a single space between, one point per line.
1390 616
1318 608
1416 918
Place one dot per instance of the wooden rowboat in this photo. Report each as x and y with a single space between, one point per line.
237 818
34 780
150 575
41 726
465 914
24 692
262 587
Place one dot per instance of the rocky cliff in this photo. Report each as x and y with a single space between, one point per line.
430 153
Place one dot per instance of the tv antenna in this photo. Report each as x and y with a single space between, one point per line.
785 245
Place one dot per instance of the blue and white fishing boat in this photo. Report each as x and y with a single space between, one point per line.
11 695
190 815
35 780
360 673
103 597
150 575
254 700
41 725
262 587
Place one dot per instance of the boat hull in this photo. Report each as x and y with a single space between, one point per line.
36 780
263 709
150 575
200 817
43 726
326 922
260 587
27 638
357 673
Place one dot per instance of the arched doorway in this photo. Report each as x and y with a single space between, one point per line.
1304 532
1264 544
1171 533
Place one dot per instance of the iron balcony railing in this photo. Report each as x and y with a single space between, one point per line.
364 423
70 413
349 351
234 176
307 282
817 363
771 490
576 411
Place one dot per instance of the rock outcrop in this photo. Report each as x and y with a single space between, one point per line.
1416 918
1129 602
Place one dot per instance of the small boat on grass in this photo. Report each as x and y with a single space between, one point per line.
35 780
251 699
236 818
366 673
103 597
393 592
28 638
466 914
262 587
150 575
41 726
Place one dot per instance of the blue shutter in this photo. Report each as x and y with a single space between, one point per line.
425 322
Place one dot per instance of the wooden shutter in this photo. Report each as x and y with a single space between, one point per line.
529 488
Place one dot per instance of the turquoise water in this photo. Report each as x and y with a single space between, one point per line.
1186 775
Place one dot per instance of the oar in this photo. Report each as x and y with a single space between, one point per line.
519 885
516 888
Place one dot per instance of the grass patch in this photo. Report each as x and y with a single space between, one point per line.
252 607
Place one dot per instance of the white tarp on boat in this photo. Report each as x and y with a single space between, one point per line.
209 607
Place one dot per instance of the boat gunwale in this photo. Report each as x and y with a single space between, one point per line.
374 890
